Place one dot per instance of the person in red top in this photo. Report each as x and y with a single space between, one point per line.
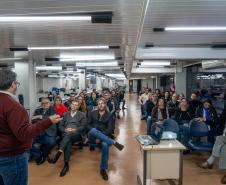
59 107
16 132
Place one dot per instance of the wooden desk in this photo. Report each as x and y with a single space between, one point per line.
162 161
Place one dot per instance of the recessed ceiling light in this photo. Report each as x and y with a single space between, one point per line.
67 47
43 18
192 28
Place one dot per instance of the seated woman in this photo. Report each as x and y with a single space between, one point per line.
82 103
219 150
160 112
167 96
183 117
173 104
92 100
208 114
150 104
59 107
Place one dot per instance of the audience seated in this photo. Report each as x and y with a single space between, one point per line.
194 103
183 117
207 113
82 103
58 106
158 92
160 112
92 100
150 104
72 128
142 100
173 104
180 97
68 103
99 132
48 139
167 97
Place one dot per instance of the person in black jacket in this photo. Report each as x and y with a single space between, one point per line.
208 114
150 104
99 132
194 103
173 104
72 128
183 117
43 143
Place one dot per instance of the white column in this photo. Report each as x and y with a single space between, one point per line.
134 85
98 83
181 81
32 87
82 79
157 82
26 75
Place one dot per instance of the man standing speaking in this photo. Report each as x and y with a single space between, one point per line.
16 132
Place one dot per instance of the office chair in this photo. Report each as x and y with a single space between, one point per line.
198 131
169 125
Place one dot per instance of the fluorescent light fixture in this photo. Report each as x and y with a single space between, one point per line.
56 76
205 28
49 68
6 59
121 78
67 47
68 58
116 75
43 18
97 64
155 63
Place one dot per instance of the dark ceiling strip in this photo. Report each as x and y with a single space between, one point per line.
18 49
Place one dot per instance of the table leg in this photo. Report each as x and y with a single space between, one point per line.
145 168
181 169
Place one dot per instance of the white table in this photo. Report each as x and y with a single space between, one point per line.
162 161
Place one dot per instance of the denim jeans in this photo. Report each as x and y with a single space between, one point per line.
149 125
106 142
47 143
184 131
14 169
143 111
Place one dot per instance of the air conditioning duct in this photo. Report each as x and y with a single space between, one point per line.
212 64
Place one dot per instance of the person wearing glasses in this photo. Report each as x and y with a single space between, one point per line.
43 143
16 132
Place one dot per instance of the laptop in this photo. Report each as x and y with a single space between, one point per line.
153 139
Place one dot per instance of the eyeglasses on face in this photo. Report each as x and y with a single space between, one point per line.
17 83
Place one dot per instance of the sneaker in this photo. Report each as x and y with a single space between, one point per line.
119 146
64 170
55 158
104 174
206 165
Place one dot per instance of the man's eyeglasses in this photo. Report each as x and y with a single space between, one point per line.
17 83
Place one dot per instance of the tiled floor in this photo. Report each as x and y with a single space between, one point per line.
123 166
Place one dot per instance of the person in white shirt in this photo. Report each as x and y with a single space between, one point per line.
142 100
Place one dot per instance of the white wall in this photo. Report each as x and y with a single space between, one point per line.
46 84
134 85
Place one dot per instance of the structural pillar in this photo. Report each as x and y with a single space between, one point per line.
26 75
82 79
181 81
